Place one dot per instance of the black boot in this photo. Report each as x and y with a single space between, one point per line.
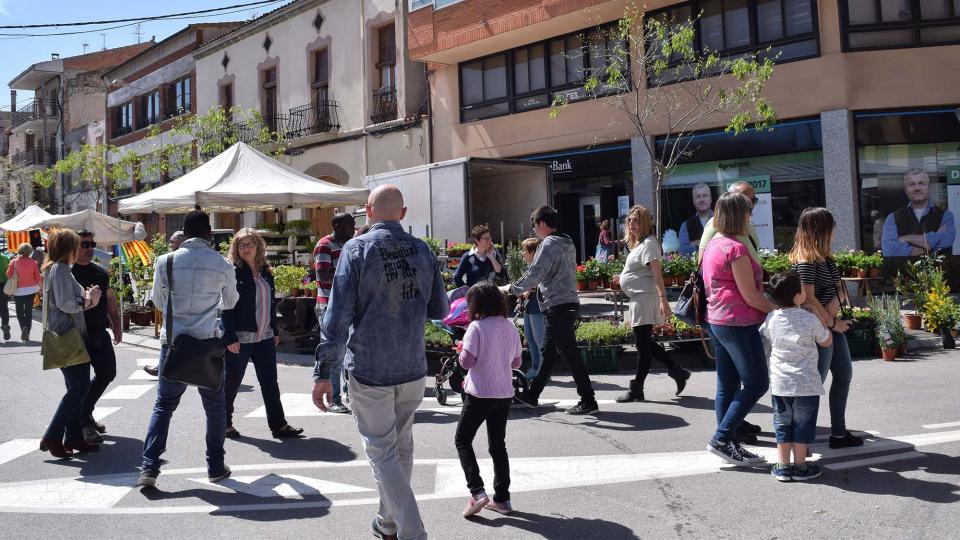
6 332
635 393
680 376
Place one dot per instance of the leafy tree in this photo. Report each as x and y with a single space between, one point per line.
650 69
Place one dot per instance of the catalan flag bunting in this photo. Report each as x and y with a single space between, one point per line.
15 238
136 248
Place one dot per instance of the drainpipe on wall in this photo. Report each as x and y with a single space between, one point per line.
364 92
60 141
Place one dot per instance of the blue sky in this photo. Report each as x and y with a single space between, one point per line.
17 54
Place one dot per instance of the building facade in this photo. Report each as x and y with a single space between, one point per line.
61 106
153 90
859 88
334 77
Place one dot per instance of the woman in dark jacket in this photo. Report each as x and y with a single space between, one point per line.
250 330
481 263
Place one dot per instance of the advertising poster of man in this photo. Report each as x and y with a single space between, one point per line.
916 226
692 229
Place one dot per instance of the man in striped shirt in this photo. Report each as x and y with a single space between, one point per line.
325 257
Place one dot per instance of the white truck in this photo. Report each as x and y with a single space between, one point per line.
446 199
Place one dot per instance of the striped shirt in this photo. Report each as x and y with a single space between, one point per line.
823 276
325 257
264 303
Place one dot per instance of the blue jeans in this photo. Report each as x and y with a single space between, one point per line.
264 357
168 397
67 422
740 359
795 419
533 330
836 359
336 370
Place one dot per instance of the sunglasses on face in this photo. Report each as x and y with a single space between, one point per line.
88 244
247 245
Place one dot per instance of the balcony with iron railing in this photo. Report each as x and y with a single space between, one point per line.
384 105
37 109
318 117
246 131
34 156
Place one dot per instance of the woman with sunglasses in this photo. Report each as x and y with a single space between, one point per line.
811 258
250 330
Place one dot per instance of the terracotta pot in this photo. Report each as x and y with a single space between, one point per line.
581 285
874 273
861 273
594 283
954 332
605 283
912 321
889 354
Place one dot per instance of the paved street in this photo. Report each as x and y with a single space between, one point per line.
632 471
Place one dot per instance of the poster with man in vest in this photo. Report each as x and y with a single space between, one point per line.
692 229
920 226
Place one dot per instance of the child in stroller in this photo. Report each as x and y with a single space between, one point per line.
451 373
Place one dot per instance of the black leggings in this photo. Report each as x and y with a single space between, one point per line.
24 305
647 349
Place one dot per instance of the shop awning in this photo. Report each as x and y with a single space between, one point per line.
30 218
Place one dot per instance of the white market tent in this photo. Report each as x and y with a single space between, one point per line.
26 220
241 178
107 230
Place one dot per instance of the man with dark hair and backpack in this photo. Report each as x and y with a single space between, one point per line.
553 273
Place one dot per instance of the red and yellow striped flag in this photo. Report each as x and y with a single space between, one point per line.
137 248
15 238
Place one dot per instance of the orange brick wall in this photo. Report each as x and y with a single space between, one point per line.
431 31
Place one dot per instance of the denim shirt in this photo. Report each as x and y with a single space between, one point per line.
203 281
386 286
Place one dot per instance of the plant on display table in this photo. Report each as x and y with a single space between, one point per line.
915 281
288 279
581 277
594 273
676 268
872 263
844 262
295 229
890 333
774 262
457 249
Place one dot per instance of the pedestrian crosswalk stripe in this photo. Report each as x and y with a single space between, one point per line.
288 486
141 375
941 426
128 391
99 413
11 450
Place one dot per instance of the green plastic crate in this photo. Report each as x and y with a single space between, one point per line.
600 359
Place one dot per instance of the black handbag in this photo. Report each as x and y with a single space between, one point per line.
691 306
191 361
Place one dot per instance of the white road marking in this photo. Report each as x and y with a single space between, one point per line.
11 450
128 391
99 494
866 462
147 362
941 426
288 486
141 375
99 413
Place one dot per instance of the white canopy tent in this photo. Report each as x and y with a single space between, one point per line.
107 230
242 178
30 218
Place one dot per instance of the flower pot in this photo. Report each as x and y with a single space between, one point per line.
912 321
605 283
946 337
594 283
861 273
581 285
955 333
615 283
874 273
889 354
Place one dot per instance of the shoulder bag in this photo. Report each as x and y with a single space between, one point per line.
191 361
10 287
60 351
691 306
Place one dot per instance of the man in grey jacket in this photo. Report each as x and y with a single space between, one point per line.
386 286
203 282
553 273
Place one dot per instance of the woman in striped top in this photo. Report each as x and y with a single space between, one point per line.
811 258
250 330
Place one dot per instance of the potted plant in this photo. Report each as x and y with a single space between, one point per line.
592 269
581 277
873 263
516 266
614 269
915 281
288 279
773 262
457 249
889 326
940 313
600 344
844 262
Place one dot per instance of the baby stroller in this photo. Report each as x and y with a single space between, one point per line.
451 373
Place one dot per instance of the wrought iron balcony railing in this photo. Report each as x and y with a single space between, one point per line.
318 117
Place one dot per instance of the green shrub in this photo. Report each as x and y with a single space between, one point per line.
601 333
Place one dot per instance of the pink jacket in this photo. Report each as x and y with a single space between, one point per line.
28 272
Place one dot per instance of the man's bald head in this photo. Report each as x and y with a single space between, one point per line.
744 188
385 204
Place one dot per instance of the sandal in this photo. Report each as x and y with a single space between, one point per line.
287 432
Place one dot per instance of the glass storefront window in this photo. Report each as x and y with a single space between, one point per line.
795 179
882 183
